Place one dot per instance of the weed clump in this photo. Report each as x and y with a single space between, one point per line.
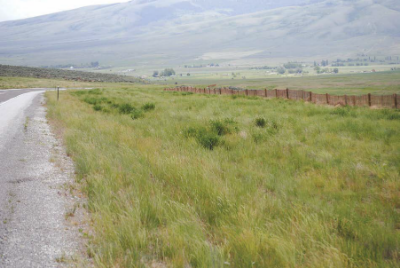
186 93
125 108
344 112
209 137
389 114
221 128
191 132
136 114
97 107
204 136
148 107
96 91
208 140
79 93
91 100
261 122
270 127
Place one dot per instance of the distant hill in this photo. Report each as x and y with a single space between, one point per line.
18 71
170 32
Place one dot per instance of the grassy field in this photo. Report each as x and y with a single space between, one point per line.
338 84
23 82
183 180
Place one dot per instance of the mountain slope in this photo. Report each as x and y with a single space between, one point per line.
170 32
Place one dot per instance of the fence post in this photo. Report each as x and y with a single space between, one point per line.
265 93
395 100
327 98
247 92
287 93
58 93
276 93
369 99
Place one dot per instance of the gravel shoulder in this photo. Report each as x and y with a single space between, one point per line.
42 219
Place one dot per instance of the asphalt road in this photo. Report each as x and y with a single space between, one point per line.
5 95
34 172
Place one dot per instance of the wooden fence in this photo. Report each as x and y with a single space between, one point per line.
382 101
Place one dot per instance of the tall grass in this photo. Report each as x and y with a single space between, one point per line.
307 186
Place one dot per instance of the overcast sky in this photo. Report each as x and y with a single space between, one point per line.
20 9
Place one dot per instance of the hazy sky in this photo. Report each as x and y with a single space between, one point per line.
20 9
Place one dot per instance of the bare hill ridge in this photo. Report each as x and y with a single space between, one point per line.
168 32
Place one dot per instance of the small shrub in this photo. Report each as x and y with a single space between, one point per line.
238 96
191 132
91 100
148 107
97 107
136 114
261 122
186 93
389 114
105 110
344 112
272 127
126 108
105 100
114 105
208 140
79 93
259 137
203 136
95 92
220 128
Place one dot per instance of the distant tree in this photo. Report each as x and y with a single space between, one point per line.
292 65
94 64
168 72
317 69
155 73
325 63
188 74
281 70
336 70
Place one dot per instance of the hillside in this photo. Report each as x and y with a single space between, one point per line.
18 71
170 32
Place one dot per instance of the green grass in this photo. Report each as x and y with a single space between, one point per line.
285 184
380 83
22 82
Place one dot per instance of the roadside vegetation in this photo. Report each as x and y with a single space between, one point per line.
186 180
22 82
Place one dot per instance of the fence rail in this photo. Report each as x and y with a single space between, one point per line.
382 101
